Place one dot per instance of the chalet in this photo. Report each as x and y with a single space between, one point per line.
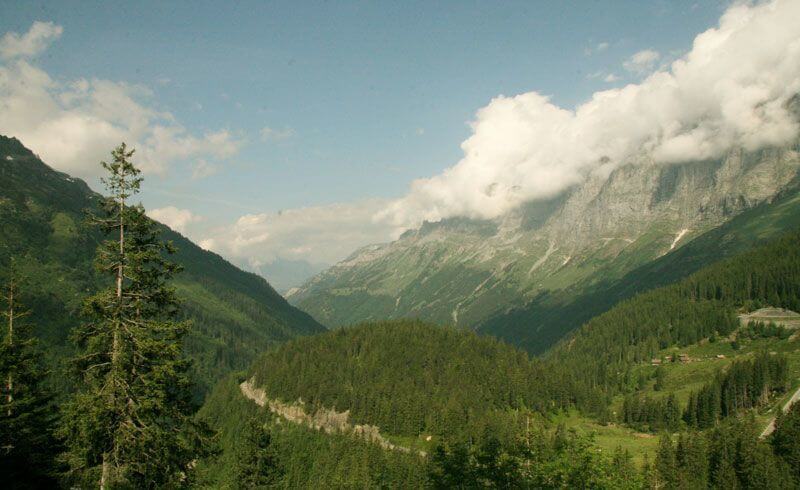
684 358
655 362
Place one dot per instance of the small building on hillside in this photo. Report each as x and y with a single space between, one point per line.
684 358
655 362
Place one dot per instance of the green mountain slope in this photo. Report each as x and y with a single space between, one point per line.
408 378
677 340
365 406
546 254
416 381
548 317
306 457
601 355
235 314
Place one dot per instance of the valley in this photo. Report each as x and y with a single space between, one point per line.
400 402
400 245
478 274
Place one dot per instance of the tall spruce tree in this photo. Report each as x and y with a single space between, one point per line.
130 423
785 440
27 415
666 465
256 462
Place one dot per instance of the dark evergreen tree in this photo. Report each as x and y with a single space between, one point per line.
450 467
746 384
785 440
256 462
692 461
130 423
666 465
660 375
27 416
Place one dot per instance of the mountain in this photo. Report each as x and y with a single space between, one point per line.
700 308
467 272
544 320
235 314
648 364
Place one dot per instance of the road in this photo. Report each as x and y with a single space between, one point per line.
771 426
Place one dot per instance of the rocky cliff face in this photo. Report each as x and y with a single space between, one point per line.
462 271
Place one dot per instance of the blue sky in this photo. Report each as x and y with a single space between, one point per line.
332 103
354 83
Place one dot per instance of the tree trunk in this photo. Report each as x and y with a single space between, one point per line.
115 347
10 382
120 265
104 473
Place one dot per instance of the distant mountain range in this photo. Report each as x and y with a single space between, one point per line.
497 276
285 274
235 314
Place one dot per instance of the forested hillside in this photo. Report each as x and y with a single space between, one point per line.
407 377
465 399
235 314
293 456
600 356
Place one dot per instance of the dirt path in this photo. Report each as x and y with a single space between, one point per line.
771 426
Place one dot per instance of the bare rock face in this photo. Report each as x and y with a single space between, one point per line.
462 271
328 420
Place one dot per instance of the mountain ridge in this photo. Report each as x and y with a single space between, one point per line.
463 272
236 314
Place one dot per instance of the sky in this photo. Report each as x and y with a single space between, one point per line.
299 131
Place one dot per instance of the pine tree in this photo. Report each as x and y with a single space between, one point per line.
660 376
692 460
256 463
785 440
27 415
666 466
130 423
623 467
725 476
648 473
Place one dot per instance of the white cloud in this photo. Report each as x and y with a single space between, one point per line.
598 48
30 44
320 234
202 169
73 125
731 90
642 62
175 218
270 134
606 77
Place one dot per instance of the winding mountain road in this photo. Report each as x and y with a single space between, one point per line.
771 426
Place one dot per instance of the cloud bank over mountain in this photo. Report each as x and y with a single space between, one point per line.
731 89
